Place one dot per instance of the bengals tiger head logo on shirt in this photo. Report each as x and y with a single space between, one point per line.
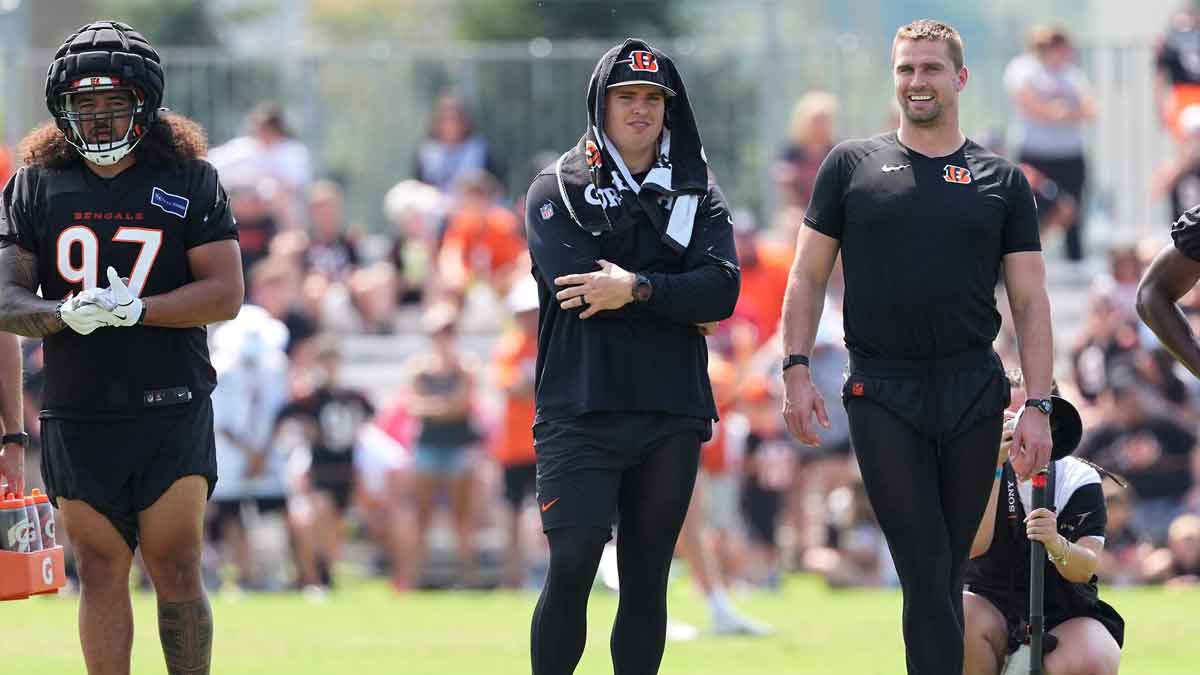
956 174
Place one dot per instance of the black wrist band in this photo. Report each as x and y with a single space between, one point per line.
19 437
795 360
142 316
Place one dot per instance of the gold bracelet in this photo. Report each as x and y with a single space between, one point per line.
1062 560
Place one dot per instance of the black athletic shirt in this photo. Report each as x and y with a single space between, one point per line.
1178 57
141 222
922 240
333 417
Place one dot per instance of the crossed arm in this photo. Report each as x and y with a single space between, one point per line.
22 311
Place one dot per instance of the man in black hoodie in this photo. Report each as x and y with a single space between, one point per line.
634 259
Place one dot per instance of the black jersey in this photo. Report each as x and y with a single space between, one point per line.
1178 57
1004 569
333 417
922 239
142 222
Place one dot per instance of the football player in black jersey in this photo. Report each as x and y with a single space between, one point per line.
925 220
114 193
1173 273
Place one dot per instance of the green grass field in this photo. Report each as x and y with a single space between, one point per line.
367 629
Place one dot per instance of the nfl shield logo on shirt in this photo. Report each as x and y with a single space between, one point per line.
547 210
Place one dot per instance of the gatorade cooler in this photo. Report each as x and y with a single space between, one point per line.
23 570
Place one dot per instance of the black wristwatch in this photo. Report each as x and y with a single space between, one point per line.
642 288
1043 405
795 360
16 437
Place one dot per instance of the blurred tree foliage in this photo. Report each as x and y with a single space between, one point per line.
182 23
523 19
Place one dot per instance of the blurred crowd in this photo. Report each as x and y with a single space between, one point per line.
421 467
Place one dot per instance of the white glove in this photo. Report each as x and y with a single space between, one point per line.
96 296
128 308
84 317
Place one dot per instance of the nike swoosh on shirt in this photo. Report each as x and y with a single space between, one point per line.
888 169
547 505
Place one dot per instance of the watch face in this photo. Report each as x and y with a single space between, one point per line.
641 291
1043 404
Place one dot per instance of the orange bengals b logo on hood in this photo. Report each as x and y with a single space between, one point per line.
592 155
956 174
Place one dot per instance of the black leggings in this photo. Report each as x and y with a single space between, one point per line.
929 501
653 501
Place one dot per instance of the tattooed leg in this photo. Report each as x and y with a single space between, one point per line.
186 631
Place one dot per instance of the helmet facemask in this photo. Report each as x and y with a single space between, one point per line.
83 121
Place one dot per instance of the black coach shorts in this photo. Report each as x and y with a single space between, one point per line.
939 398
121 467
580 460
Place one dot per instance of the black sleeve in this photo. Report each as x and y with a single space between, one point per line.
365 403
1185 233
826 210
1164 60
1084 514
707 289
557 244
16 220
1021 222
213 219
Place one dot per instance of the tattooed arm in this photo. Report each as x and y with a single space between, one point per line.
22 311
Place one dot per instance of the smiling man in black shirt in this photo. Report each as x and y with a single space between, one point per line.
622 390
923 219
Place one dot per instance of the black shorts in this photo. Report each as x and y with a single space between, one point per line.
520 480
225 510
580 460
1101 611
121 467
939 398
335 479
761 510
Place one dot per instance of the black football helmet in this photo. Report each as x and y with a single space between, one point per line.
105 56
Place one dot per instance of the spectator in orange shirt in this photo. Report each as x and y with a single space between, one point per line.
708 540
6 167
514 365
483 240
765 267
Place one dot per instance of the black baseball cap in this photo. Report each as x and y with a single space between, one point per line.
637 64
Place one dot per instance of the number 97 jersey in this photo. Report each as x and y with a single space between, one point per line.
142 222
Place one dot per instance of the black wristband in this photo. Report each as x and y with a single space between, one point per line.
19 437
142 316
795 360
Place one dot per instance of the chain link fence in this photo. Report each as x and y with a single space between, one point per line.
363 110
